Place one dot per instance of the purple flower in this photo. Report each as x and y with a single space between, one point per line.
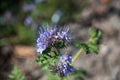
49 37
28 20
28 7
64 68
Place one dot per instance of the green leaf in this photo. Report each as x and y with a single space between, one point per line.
99 33
60 45
80 44
16 74
93 48
11 76
95 33
92 32
48 50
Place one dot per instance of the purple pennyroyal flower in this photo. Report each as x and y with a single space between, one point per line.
64 67
49 37
63 34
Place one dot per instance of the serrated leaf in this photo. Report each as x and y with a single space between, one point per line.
22 78
99 34
93 48
16 74
11 76
15 71
60 45
46 51
95 33
92 32
80 44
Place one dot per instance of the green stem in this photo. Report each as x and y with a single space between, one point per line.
77 55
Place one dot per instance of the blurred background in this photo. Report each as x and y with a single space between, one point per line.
20 19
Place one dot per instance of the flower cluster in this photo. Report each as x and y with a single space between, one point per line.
55 37
51 40
64 66
50 37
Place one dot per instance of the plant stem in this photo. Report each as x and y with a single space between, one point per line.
77 55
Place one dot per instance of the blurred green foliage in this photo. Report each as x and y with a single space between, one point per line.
69 8
66 6
16 74
25 35
11 5
17 35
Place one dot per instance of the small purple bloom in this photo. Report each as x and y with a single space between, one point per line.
48 37
64 68
7 15
28 7
28 20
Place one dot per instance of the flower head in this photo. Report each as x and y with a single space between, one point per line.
49 37
64 68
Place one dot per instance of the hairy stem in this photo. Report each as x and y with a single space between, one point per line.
77 55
